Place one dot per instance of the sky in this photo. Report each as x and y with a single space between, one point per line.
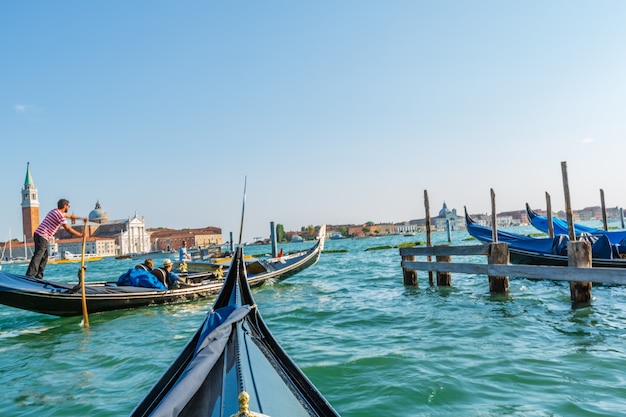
330 112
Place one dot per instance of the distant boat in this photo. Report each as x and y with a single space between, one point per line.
68 257
335 235
297 239
11 259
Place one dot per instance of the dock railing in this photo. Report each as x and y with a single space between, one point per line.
497 268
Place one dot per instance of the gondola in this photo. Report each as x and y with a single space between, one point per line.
233 366
526 250
560 227
65 299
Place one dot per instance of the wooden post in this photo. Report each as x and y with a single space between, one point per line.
549 211
621 216
273 240
604 220
498 255
568 204
444 279
579 255
428 240
410 275
494 221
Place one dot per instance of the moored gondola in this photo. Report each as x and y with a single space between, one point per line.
561 227
526 250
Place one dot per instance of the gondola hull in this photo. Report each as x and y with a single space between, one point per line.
525 250
63 299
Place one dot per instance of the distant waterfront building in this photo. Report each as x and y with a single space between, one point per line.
446 217
171 240
106 237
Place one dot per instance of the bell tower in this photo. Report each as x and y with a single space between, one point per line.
30 205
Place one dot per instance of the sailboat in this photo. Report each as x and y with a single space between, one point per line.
10 259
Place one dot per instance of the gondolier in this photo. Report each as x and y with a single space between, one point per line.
45 231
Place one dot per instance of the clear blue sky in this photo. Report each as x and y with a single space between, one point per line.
336 111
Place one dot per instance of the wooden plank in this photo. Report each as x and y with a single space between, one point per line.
553 273
470 250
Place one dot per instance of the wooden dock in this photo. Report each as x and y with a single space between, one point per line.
497 268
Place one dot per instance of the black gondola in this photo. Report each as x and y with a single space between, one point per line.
65 299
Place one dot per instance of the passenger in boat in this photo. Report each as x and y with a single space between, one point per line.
147 265
170 279
182 253
54 219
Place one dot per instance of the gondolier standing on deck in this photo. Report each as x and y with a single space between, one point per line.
46 230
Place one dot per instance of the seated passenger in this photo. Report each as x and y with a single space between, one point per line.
147 265
166 276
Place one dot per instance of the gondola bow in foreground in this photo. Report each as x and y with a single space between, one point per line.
233 366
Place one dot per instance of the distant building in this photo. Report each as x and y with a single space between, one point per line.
171 239
107 237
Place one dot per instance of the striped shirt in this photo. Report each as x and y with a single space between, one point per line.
50 224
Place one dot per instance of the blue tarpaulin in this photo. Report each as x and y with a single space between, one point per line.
140 278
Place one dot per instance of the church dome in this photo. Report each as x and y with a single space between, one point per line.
98 215
444 210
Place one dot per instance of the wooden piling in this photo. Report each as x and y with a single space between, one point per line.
409 275
568 205
428 240
494 219
444 279
549 212
498 255
605 222
579 255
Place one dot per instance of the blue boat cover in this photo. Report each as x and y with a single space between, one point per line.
560 228
601 246
140 278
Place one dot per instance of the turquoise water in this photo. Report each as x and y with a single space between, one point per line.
371 345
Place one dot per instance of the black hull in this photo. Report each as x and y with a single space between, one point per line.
66 305
55 298
520 257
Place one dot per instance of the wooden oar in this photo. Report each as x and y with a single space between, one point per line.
82 277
